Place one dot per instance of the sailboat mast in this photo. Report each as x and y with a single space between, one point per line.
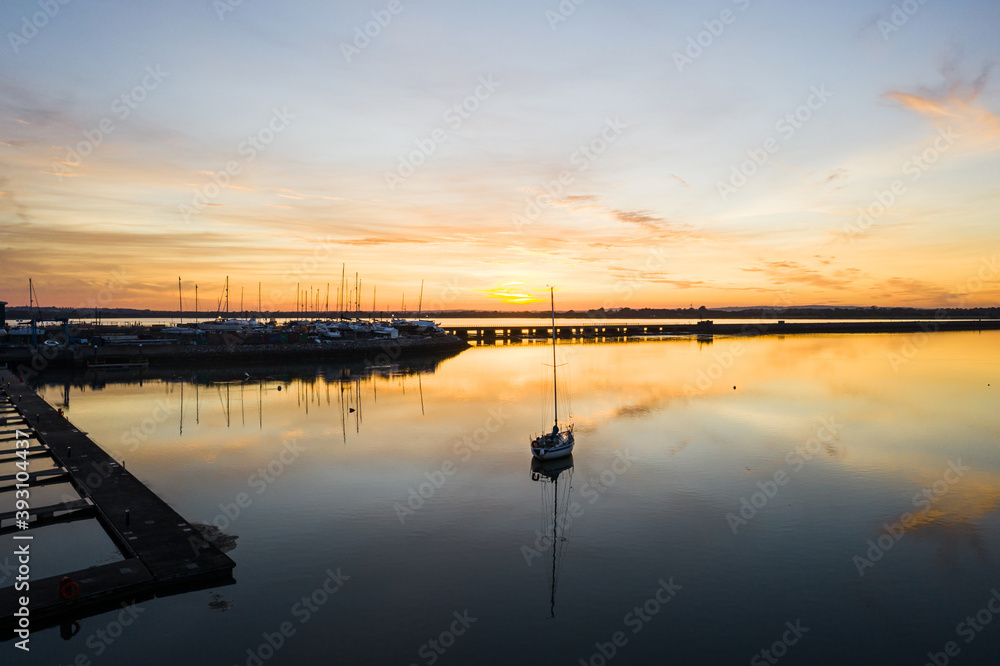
31 312
180 301
555 392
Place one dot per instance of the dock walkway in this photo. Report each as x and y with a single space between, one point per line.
161 550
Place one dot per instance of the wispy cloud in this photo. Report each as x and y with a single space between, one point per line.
956 104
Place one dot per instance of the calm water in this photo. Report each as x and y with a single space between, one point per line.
823 442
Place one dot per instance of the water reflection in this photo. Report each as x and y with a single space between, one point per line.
556 516
238 393
451 434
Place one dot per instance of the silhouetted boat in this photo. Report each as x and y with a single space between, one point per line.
557 443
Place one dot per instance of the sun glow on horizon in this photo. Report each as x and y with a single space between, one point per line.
609 190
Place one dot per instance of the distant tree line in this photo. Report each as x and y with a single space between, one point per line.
811 312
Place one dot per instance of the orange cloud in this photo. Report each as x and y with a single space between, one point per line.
975 124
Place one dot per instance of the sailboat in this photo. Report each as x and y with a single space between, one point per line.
557 443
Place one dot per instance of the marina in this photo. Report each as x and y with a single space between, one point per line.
118 347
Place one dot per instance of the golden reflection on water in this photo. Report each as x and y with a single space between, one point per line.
732 407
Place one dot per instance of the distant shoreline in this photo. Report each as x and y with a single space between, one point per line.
788 313
382 352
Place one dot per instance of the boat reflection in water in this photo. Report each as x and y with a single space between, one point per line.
556 477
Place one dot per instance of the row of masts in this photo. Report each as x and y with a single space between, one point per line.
306 301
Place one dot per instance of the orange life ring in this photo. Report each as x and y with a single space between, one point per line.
68 589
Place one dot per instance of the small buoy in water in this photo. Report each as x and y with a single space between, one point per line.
734 388
351 410
279 388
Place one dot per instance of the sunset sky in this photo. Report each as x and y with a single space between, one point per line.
491 149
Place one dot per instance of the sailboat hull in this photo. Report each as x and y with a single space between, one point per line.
550 447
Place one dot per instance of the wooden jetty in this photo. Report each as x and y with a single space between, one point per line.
162 552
